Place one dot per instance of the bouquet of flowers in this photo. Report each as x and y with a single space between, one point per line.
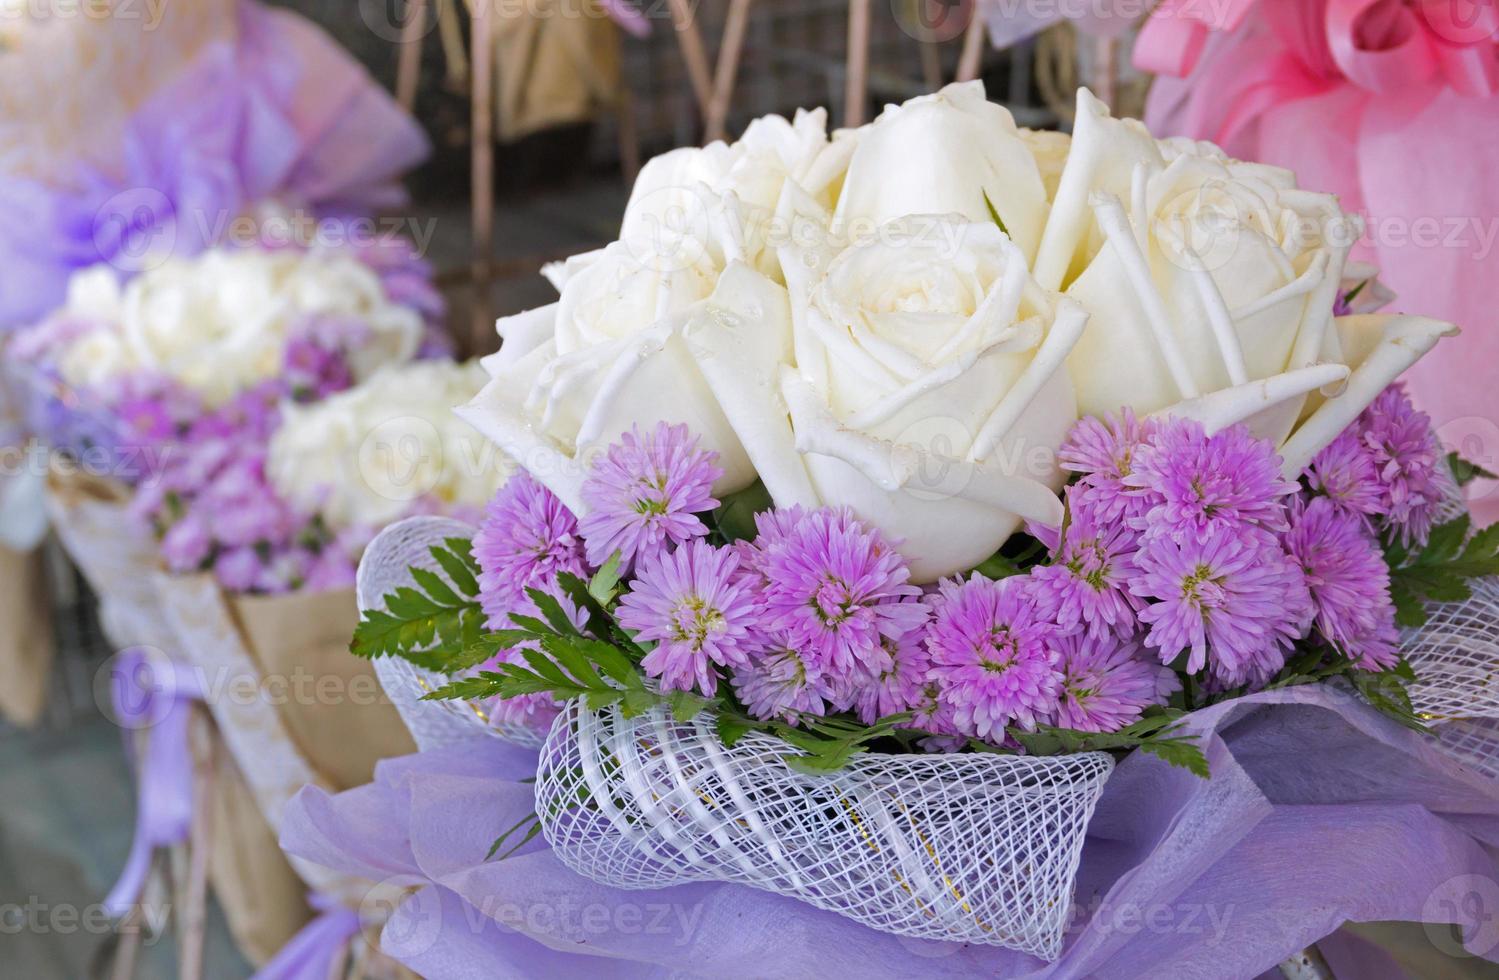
865 518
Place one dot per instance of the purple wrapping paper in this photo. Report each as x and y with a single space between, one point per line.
1320 811
282 112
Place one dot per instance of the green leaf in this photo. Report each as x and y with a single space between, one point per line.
435 588
457 570
1445 542
735 517
685 705
604 585
535 828
1465 472
1183 752
732 727
994 214
553 611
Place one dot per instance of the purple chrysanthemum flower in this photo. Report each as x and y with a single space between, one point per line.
187 545
992 655
1203 482
1234 594
644 495
527 538
238 569
1345 473
698 610
1106 683
1103 450
1086 587
779 684
899 686
1349 581
1408 462
837 590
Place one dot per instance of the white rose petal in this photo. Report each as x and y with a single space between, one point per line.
1210 283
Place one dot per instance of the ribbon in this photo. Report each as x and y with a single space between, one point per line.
312 952
152 691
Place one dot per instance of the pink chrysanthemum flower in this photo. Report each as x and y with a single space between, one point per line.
1086 587
1408 462
837 590
696 608
1203 482
1348 579
779 684
644 495
1345 473
898 687
993 657
1104 451
1234 594
1106 683
931 714
527 538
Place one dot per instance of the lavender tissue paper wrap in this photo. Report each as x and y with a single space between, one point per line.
274 109
1319 812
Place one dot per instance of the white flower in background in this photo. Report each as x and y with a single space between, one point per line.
1210 284
220 322
364 457
941 154
928 391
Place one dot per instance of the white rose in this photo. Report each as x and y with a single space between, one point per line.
723 198
942 154
572 376
364 456
928 394
220 322
1210 283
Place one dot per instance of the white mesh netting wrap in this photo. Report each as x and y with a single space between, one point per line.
385 567
1456 657
972 847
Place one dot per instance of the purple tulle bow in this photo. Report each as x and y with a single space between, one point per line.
313 951
154 693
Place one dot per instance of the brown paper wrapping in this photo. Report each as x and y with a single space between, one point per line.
26 646
302 640
553 66
263 899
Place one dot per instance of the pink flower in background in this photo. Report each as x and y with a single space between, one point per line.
697 610
1394 107
644 496
993 656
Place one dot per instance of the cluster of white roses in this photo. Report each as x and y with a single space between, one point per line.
364 457
220 322
907 318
